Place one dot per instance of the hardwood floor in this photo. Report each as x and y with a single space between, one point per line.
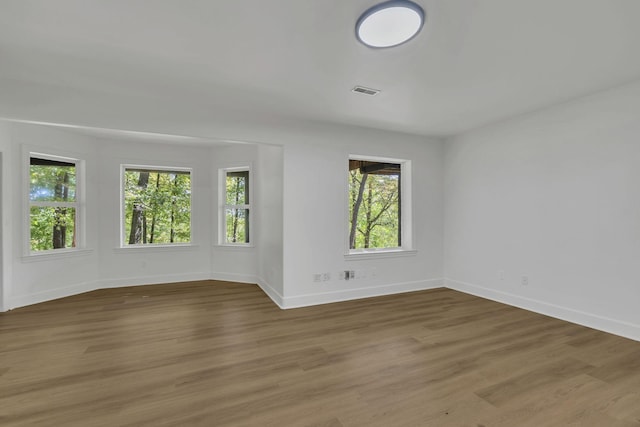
222 354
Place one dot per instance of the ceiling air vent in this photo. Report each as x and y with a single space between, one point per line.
365 90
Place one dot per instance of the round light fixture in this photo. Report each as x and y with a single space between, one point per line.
390 23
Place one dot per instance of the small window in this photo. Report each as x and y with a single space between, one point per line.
235 206
376 204
157 206
53 203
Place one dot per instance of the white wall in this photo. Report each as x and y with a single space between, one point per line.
132 266
301 214
5 217
269 215
235 263
316 215
41 278
314 209
31 279
2 190
555 196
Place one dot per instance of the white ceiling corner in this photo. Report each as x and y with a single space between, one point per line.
116 63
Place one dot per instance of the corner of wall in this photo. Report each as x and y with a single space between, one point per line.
271 292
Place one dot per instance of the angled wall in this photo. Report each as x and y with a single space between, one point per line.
316 217
553 196
35 279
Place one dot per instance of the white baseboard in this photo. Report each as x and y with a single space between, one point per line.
154 280
613 326
44 296
233 277
358 293
247 278
35 298
271 293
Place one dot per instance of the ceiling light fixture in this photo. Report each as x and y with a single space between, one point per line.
390 23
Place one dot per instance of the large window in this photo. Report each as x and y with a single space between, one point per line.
53 202
235 206
376 219
157 206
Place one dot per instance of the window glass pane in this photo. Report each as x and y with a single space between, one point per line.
52 181
157 207
237 225
52 228
374 205
237 188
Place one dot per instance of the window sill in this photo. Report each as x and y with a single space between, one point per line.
389 253
232 247
56 254
155 248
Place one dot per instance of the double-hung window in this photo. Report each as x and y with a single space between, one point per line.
54 203
235 207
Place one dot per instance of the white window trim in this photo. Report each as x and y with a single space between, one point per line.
160 247
57 253
146 246
79 204
222 206
407 248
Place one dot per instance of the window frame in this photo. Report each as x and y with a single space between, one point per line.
79 204
123 225
406 206
223 206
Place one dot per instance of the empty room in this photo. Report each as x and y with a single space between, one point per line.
320 213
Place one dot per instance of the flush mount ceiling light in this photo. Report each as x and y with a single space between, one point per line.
390 23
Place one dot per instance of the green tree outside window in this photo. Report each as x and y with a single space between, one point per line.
53 204
374 205
157 206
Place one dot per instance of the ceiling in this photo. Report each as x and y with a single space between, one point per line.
137 64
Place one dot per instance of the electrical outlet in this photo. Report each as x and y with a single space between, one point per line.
326 277
317 277
525 281
352 274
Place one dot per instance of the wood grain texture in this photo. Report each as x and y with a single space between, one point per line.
222 354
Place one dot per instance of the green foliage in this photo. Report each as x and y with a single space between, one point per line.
378 222
43 222
44 180
237 225
164 203
237 188
52 184
236 217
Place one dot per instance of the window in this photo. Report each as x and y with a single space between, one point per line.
377 204
157 206
235 206
53 203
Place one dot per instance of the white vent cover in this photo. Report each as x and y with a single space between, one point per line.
365 90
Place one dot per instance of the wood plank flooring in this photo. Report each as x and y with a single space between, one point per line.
222 354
